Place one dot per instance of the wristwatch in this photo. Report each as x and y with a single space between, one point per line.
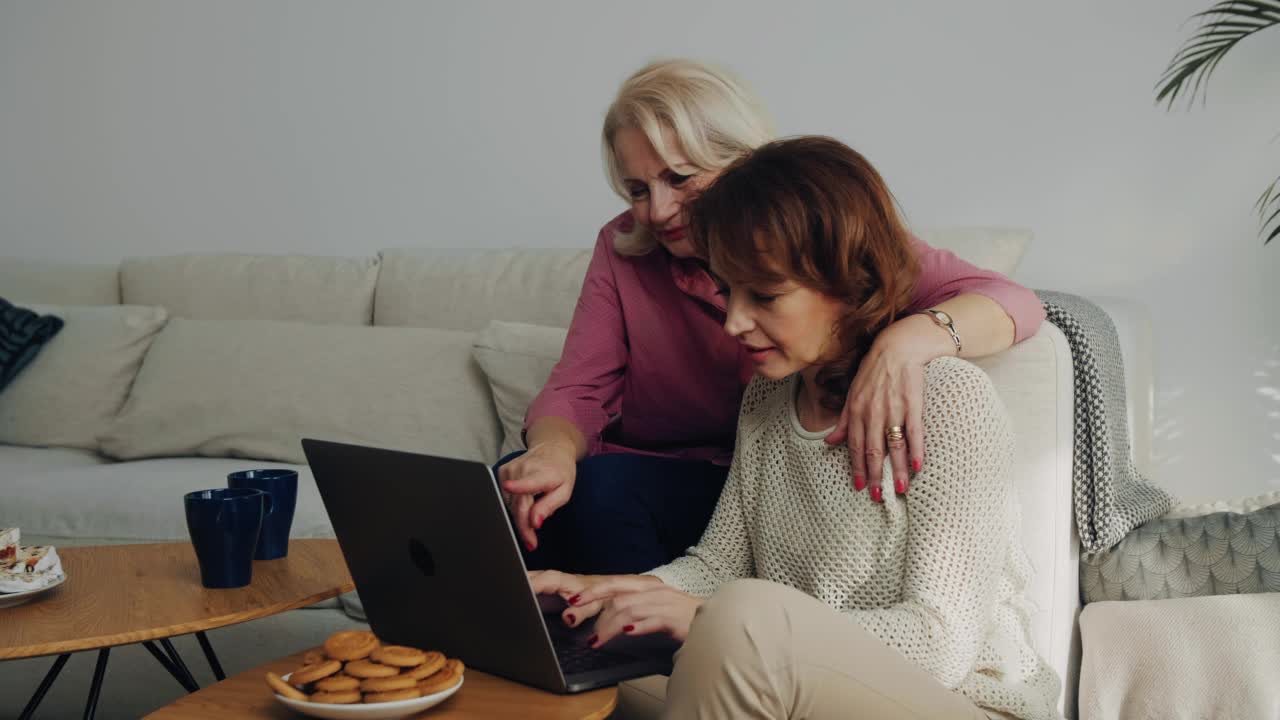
943 320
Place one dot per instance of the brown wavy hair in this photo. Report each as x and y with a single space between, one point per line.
814 211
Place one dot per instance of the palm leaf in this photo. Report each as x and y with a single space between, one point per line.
1224 25
1269 202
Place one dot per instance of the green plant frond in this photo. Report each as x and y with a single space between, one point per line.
1239 6
1224 25
1269 201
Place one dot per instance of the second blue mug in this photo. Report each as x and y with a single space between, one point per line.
282 485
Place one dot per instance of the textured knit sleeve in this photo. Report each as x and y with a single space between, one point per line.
960 511
725 551
585 386
943 276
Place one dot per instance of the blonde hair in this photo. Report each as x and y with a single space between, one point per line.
714 119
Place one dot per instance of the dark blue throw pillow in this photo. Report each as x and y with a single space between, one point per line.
22 334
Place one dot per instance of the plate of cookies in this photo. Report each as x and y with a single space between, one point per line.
355 676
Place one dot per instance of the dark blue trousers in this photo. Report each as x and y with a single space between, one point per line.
628 514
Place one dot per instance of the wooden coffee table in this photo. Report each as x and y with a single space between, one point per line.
247 697
123 594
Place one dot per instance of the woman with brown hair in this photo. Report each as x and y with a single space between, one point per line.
630 439
804 598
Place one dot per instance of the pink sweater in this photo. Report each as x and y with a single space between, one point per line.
648 368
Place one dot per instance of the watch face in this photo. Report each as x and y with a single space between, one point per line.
945 318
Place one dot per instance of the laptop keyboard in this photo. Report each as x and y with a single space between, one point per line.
577 658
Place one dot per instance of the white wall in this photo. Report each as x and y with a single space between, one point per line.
145 127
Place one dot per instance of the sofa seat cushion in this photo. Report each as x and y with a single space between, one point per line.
133 501
17 460
255 388
642 698
71 393
329 290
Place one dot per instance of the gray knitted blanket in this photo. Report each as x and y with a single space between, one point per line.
1111 497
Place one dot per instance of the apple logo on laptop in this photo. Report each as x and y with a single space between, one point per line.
421 557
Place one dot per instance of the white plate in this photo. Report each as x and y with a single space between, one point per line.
11 599
377 711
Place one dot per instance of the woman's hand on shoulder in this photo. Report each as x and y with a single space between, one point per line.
887 391
540 482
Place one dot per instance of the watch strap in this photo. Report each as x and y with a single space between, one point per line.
943 320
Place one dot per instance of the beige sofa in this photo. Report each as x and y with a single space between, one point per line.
173 371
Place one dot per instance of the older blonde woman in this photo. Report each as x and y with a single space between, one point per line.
630 439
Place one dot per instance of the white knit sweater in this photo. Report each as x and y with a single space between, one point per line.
938 575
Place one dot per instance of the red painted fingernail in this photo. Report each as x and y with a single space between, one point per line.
571 618
876 493
574 600
915 465
899 486
629 628
537 522
529 546
592 640
859 482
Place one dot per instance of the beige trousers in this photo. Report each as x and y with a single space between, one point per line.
758 649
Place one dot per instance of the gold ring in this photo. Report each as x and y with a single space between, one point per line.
894 434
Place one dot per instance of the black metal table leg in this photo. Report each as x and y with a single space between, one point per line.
99 670
168 665
177 660
211 656
49 677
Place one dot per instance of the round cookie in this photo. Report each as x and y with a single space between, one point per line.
338 683
368 669
442 680
311 657
350 645
388 684
283 688
435 660
311 673
337 698
392 696
398 655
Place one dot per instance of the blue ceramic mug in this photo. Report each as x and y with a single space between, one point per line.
282 485
224 524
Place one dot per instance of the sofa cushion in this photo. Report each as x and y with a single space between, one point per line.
59 283
993 248
255 388
17 460
1205 657
1219 553
135 501
465 289
327 290
72 394
23 334
517 358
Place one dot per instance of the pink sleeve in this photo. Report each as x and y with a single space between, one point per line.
585 387
943 276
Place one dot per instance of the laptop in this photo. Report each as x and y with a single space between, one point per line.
434 557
